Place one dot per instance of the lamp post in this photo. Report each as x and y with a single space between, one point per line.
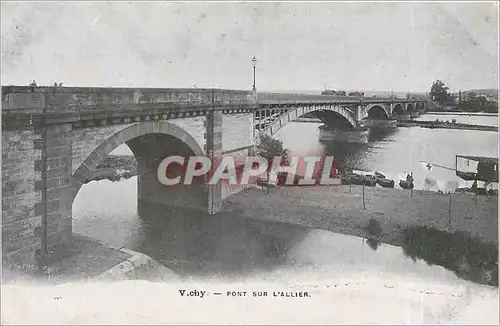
254 63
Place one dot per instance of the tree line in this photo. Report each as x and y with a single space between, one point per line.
467 101
332 92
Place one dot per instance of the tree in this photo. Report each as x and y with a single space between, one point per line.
439 92
269 148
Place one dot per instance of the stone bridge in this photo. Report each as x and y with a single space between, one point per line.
54 137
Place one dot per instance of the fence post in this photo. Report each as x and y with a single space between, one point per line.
449 210
364 207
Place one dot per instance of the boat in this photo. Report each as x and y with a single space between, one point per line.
406 184
379 175
352 178
370 180
386 183
469 176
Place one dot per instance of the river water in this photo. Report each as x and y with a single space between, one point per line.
236 248
402 151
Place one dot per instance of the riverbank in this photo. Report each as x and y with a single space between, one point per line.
343 206
85 259
462 237
484 114
114 168
445 125
89 259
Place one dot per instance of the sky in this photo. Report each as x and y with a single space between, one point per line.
298 46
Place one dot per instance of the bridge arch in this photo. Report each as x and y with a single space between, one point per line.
398 109
325 112
378 111
409 107
150 142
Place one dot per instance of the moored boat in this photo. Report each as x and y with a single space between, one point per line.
352 178
468 176
405 184
386 183
370 180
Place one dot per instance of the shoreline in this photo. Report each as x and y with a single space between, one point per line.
114 168
467 113
445 125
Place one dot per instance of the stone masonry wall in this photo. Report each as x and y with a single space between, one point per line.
195 126
237 131
19 219
55 168
86 140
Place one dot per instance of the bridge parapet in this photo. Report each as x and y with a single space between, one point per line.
26 100
74 99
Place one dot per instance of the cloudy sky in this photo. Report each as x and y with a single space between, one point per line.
299 46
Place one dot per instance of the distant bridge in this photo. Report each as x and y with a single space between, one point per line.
274 111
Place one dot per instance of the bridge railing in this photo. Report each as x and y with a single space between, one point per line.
83 99
76 99
294 98
290 98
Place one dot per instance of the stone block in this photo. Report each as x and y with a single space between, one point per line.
56 152
59 192
59 130
65 204
58 172
63 181
52 206
53 217
53 163
50 183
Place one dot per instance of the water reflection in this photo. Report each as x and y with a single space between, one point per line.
347 155
233 246
192 243
373 243
381 134
470 258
